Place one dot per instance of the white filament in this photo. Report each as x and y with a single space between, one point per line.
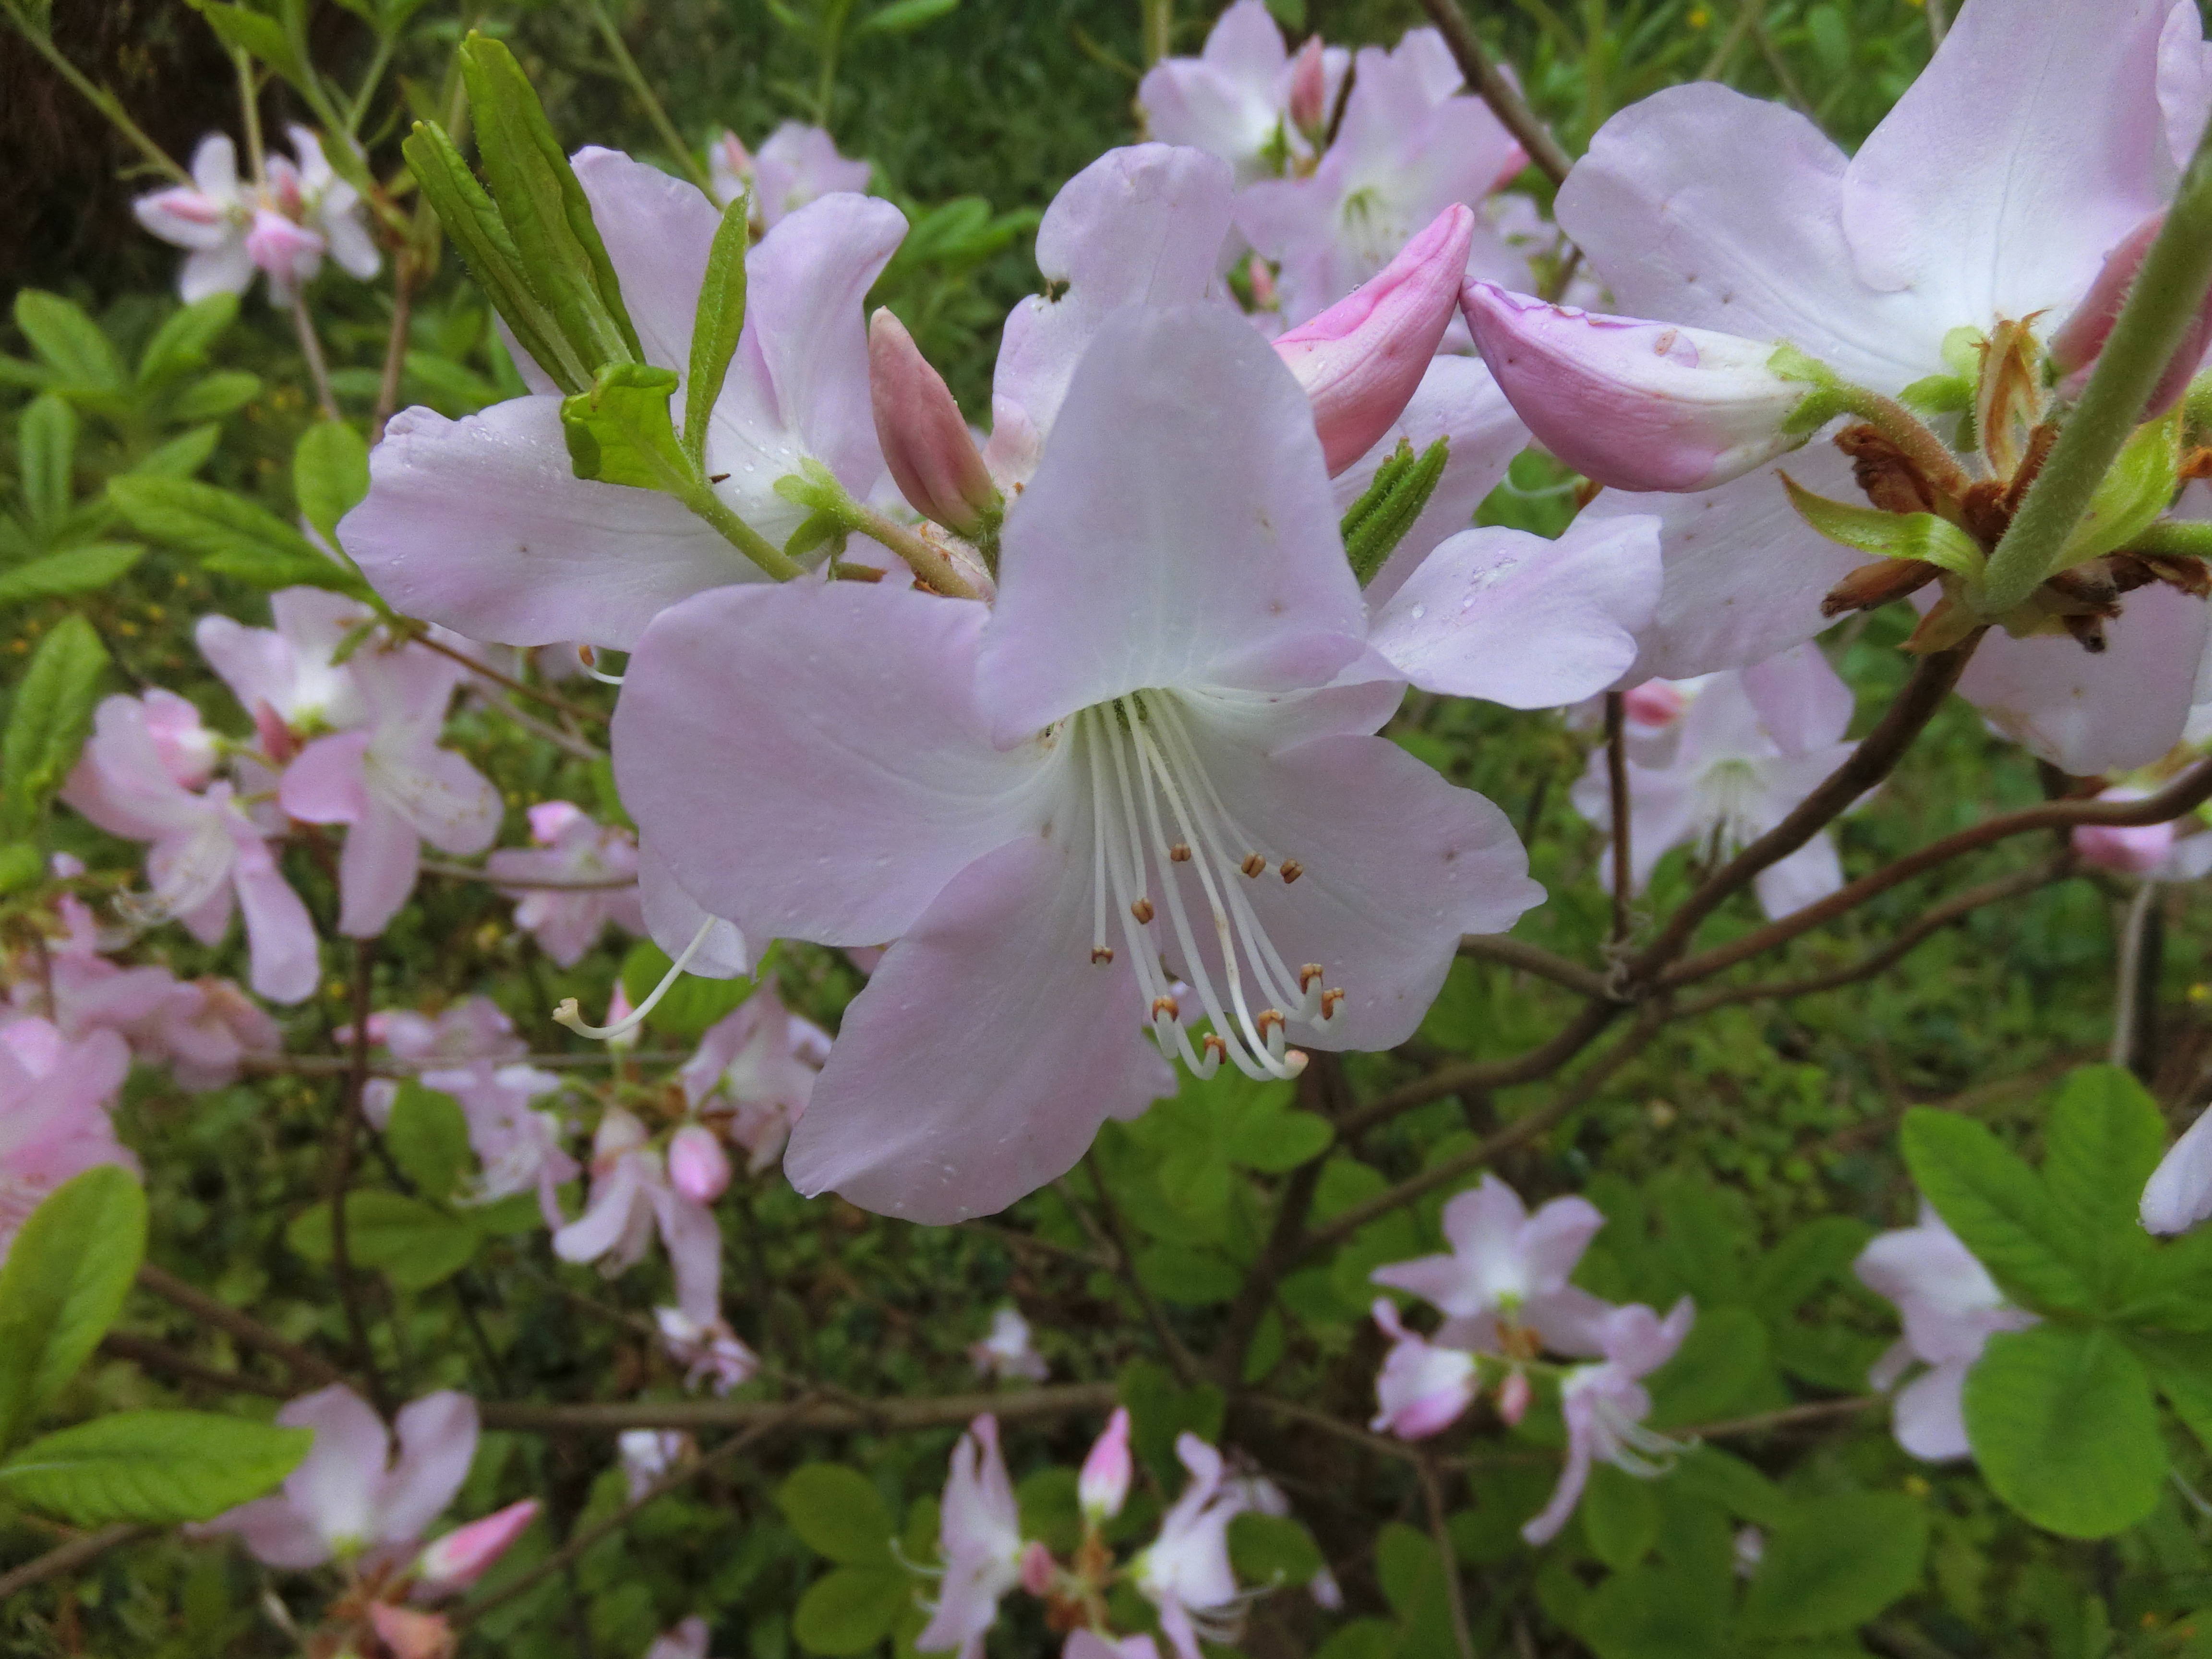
569 1015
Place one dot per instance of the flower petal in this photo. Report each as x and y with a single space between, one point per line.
659 230
2185 79
1928 1415
673 919
334 1485
437 1442
377 870
2179 1195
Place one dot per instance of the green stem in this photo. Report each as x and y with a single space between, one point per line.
249 109
2167 291
1158 26
701 498
634 78
1902 427
2174 538
102 99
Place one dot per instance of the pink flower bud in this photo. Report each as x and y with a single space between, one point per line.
1635 405
1265 296
2074 347
289 254
550 818
698 1167
1104 1485
1421 1388
1654 702
1310 89
1513 1397
460 1558
1037 1569
1361 360
2132 849
926 444
410 1634
618 1010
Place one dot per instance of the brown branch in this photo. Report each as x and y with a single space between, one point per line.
1432 1499
471 872
825 1416
1616 783
346 1134
1481 1075
422 636
1367 1440
1816 1410
1946 915
306 1367
80 1551
339 1066
145 1353
1509 952
1505 103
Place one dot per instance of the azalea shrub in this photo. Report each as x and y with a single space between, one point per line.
957 828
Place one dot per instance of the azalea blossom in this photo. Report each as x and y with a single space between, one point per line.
797 164
1185 1573
209 851
1102 1484
1423 1387
1605 1405
55 1097
454 1562
980 1541
482 524
2178 1194
572 847
1245 98
283 225
710 1351
757 1066
453 1049
349 1497
630 1198
1506 1266
688 1640
1007 1352
1941 257
393 787
1753 744
286 676
1951 1307
1146 766
649 1454
2156 852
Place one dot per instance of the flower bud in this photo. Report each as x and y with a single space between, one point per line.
2130 849
550 818
926 444
1421 1388
698 1167
1633 404
1513 1397
1037 1567
460 1558
410 1634
289 254
1654 702
618 1010
1361 360
1104 1485
2074 347
1309 100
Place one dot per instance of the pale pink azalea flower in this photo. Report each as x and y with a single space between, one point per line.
56 1094
630 1199
757 1063
482 524
453 1051
1102 1644
1423 1387
1102 1486
350 1498
284 675
1706 210
1022 785
649 1454
710 1351
2156 852
1951 1307
518 1143
282 226
1008 1351
2178 1194
1605 1405
206 1029
209 853
572 847
979 1539
451 1563
688 1640
392 785
698 1167
1185 1573
1245 98
1506 1265
1753 744
795 164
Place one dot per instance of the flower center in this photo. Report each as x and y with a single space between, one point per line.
1155 808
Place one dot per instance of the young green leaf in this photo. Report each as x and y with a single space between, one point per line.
429 1139
715 325
65 1281
183 455
159 1468
69 342
851 1609
1920 535
83 569
330 475
1999 1208
2102 1140
1378 521
214 396
47 722
46 456
1272 1550
227 533
903 17
838 1513
621 431
1835 1564
180 346
257 35
411 1243
2134 494
2063 1424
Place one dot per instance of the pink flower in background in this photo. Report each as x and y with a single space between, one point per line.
980 1540
1185 1573
285 676
686 1641
1423 1387
55 1097
1245 98
1143 728
208 853
463 1555
649 1454
757 1063
572 847
393 787
282 226
1102 1486
1007 1352
349 1496
205 1029
1506 1266
1951 1307
1753 744
1605 1405
710 1351
796 165
411 1634
2156 852
629 1198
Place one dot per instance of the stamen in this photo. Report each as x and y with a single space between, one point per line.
1101 954
569 1015
1166 1008
1142 909
1215 1046
1253 864
1292 870
1308 974
1180 852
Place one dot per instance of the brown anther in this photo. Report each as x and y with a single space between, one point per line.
2197 463
718 477
1101 954
1166 1008
1291 869
2130 571
1329 1001
2088 632
2088 589
1308 974
1878 584
1270 1019
1889 477
1253 865
1216 1047
2192 576
586 655
1142 909
1983 511
1180 852
1586 492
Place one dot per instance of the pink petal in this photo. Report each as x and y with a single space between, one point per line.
1802 703
2179 1195
376 872
672 919
1928 1417
437 1442
2185 79
287 961
659 230
326 782
334 1487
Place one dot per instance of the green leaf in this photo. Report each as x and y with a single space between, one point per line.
692 1003
428 1139
259 35
157 1467
2063 1424
1272 1142
46 456
547 216
412 1244
716 322
2133 494
1375 524
1805 1261
1890 535
182 343
21 866
47 722
1160 1410
2104 1138
330 475
183 455
78 570
67 341
838 1513
1999 1208
1187 1277
1725 1368
903 17
214 396
621 431
64 1283
851 1609
1837 1563
227 533
1620 1516
1656 1613
1272 1550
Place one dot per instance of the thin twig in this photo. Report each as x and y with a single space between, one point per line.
893 1416
1616 783
306 1367
1510 952
144 1352
1482 1076
566 742
1366 1439
628 72
1432 1497
551 699
539 884
329 1065
80 1551
1816 1410
346 1133
1505 103
1108 1229
405 267
311 347
2134 1001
